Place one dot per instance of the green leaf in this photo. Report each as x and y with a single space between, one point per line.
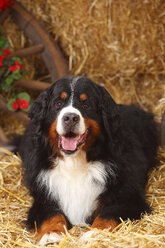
1 31
7 73
17 59
23 72
2 71
2 42
9 80
17 75
24 95
7 44
9 104
5 87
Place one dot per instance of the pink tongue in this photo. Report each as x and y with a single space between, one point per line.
69 144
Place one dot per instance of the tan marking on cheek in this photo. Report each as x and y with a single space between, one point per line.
63 95
53 134
83 97
55 224
95 131
104 223
94 125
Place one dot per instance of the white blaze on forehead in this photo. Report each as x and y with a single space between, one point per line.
69 109
73 84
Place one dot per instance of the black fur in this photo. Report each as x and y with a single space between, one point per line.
128 140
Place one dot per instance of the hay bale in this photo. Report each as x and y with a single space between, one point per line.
15 201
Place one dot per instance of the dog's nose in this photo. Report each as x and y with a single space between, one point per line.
71 119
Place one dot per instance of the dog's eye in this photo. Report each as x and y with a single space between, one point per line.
86 105
59 104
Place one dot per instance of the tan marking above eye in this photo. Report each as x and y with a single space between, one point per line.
63 95
83 97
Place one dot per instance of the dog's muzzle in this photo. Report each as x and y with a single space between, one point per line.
71 130
70 122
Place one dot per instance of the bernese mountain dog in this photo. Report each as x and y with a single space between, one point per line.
85 158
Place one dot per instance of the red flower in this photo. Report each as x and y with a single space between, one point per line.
4 4
21 67
15 105
6 52
18 100
1 59
23 104
13 68
19 104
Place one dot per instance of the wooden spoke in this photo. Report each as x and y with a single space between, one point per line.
20 115
32 84
28 51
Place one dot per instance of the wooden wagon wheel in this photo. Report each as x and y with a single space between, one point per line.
43 44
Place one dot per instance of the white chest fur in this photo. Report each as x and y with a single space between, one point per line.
75 185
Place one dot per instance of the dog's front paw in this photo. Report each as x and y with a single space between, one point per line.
89 235
50 238
50 230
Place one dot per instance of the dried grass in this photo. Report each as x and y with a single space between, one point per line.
119 44
15 201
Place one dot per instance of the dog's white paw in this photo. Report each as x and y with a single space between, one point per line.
87 235
50 238
90 234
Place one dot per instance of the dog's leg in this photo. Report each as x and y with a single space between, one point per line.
99 223
104 223
50 230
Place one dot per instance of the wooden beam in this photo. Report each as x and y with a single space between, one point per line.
28 51
32 84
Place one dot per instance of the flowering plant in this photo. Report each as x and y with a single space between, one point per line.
19 102
11 69
5 4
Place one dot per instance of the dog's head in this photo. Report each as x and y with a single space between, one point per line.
74 111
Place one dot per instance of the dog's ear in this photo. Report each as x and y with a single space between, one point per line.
111 118
108 105
40 106
109 108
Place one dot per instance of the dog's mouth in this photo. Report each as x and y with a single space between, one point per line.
70 142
